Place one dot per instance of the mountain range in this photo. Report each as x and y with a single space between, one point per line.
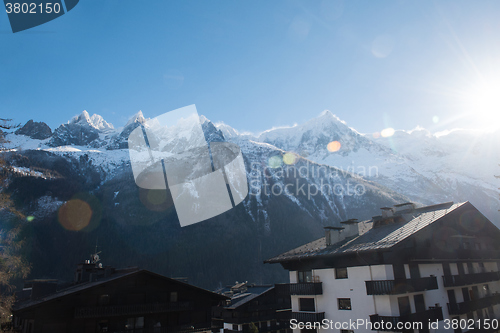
298 184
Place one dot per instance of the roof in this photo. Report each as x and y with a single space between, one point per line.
371 239
251 293
88 285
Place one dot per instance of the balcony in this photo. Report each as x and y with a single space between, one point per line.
473 305
395 287
426 253
126 310
307 316
389 323
253 318
304 288
198 327
467 279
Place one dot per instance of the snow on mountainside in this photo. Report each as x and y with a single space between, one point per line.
458 165
96 121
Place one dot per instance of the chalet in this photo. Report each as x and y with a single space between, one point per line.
103 299
427 269
259 305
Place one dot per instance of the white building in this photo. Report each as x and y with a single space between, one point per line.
434 266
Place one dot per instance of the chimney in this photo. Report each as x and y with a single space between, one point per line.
350 228
333 235
404 207
41 288
387 212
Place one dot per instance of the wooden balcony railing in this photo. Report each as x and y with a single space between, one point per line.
473 305
391 323
468 279
403 286
304 288
302 316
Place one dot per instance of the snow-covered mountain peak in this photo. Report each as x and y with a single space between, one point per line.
329 115
137 118
227 131
96 121
327 119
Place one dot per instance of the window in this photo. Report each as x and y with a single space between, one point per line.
103 326
344 304
173 296
470 268
306 304
341 273
137 322
305 276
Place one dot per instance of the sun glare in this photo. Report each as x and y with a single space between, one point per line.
484 103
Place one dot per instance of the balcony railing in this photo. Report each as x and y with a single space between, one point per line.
395 287
431 252
261 329
253 319
473 305
307 316
303 288
390 323
198 327
125 310
467 279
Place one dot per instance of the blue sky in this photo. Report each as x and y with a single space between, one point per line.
260 64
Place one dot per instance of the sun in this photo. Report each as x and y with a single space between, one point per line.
483 103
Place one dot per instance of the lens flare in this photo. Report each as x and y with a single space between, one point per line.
156 200
275 162
376 135
30 218
333 146
290 158
435 119
157 197
387 132
75 215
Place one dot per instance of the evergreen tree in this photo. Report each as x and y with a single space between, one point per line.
12 265
253 328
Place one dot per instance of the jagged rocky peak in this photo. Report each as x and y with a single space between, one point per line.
96 121
312 136
82 130
212 133
328 119
136 118
119 141
35 130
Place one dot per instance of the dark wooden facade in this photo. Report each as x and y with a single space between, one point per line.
139 301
